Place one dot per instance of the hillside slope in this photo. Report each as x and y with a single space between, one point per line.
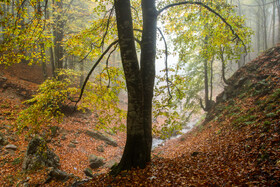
237 144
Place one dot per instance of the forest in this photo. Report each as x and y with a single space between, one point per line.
139 93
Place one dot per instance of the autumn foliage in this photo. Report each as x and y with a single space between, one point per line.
236 145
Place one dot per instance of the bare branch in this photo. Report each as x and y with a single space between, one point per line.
93 68
139 30
107 26
223 65
136 11
138 41
107 64
208 8
166 65
201 104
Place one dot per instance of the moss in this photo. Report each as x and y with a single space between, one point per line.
271 115
244 120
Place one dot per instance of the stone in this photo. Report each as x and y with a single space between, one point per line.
74 141
63 137
54 173
38 154
54 130
58 174
3 139
72 145
88 172
100 148
195 153
95 161
111 163
11 147
100 136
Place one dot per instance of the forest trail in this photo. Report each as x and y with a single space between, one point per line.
237 144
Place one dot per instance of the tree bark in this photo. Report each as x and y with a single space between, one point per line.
211 78
148 53
139 83
206 86
223 70
278 12
264 25
273 23
58 36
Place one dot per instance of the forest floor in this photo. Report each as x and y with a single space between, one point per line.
238 144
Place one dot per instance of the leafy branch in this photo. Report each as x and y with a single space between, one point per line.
211 10
93 68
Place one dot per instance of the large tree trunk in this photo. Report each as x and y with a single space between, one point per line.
148 53
139 83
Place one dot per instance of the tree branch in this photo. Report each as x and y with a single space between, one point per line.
201 104
166 65
208 8
107 64
107 26
139 30
223 65
93 68
138 41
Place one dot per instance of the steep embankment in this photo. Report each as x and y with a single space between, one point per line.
237 144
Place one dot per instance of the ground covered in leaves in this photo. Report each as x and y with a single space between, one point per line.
69 140
238 143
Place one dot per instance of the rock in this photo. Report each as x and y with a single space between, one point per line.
195 153
54 130
58 145
3 140
95 161
88 172
38 154
77 134
63 137
74 141
111 163
100 148
11 147
100 136
72 145
3 78
79 182
58 174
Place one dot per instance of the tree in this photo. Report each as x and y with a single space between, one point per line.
139 74
140 77
139 82
199 48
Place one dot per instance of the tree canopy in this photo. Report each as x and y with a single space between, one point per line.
63 34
